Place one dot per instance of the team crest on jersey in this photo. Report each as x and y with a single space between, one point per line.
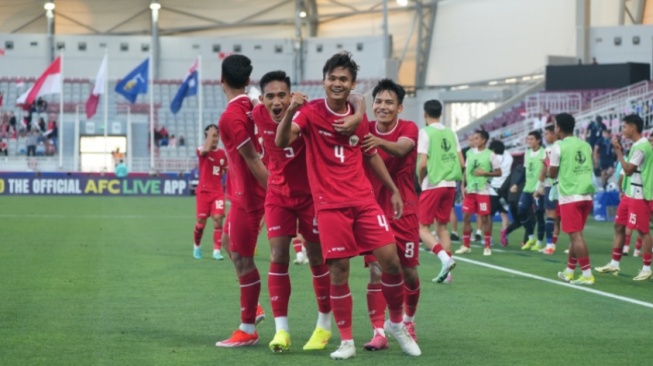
353 140
221 161
580 157
446 145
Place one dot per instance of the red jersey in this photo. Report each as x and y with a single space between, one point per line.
212 166
287 166
402 170
236 129
334 161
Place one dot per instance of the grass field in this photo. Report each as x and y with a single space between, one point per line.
111 281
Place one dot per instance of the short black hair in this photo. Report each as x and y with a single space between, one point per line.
484 135
550 128
271 76
536 134
206 129
341 59
236 70
433 108
566 122
389 85
635 119
497 147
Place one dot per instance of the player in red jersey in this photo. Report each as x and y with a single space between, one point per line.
395 141
350 221
288 202
209 192
246 183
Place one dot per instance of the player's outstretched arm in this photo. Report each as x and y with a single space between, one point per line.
378 167
210 135
348 125
397 149
287 132
253 160
421 167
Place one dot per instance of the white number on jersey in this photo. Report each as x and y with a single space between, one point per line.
216 170
260 141
289 152
219 204
339 151
410 250
483 206
382 222
315 228
633 218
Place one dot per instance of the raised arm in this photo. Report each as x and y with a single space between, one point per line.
348 125
628 167
287 132
210 135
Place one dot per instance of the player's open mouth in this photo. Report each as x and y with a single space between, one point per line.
276 111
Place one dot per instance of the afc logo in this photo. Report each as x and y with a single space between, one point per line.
445 145
580 158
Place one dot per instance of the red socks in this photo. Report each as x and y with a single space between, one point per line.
376 305
626 239
250 288
571 263
554 239
279 289
646 259
342 305
297 245
411 297
217 238
616 254
392 287
467 238
197 234
437 248
488 236
322 287
584 263
638 243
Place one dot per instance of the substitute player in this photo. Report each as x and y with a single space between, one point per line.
552 226
481 164
350 221
633 211
246 183
571 164
439 170
210 194
395 141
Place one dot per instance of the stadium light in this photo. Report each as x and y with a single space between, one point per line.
402 2
49 6
302 14
155 5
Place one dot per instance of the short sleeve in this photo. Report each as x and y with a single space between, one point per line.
423 142
362 131
410 132
554 159
637 159
495 161
301 118
233 130
458 148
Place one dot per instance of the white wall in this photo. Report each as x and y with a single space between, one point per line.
603 47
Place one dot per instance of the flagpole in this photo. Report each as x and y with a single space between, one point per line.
76 141
200 102
60 128
106 106
151 92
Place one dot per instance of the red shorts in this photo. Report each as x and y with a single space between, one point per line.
574 215
634 214
475 203
242 228
282 214
352 231
621 216
209 204
436 204
406 231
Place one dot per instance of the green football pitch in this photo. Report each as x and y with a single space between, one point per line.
111 281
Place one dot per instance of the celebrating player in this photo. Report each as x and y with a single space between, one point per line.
394 140
633 211
571 164
210 194
288 201
480 165
350 220
439 169
246 183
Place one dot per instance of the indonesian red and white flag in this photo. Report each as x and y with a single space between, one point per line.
48 83
98 89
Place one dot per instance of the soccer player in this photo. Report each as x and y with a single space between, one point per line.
633 211
552 226
439 169
395 141
533 164
288 201
499 185
571 164
480 165
209 195
349 218
246 184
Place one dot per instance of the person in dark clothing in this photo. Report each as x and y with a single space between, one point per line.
594 131
604 158
514 185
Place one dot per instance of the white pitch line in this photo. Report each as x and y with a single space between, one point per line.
559 283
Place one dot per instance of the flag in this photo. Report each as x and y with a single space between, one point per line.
135 82
20 83
48 83
2 51
98 88
187 88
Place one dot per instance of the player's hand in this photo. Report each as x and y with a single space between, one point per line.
615 144
514 188
371 142
298 99
479 172
348 125
397 205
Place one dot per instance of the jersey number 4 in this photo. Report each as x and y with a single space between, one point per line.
339 152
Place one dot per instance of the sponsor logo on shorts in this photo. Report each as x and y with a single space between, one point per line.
273 228
337 249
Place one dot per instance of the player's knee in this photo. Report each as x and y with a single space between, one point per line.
279 254
618 227
202 221
411 278
375 273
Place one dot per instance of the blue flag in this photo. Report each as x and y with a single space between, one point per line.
187 88
135 82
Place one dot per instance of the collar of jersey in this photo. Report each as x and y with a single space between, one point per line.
337 114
